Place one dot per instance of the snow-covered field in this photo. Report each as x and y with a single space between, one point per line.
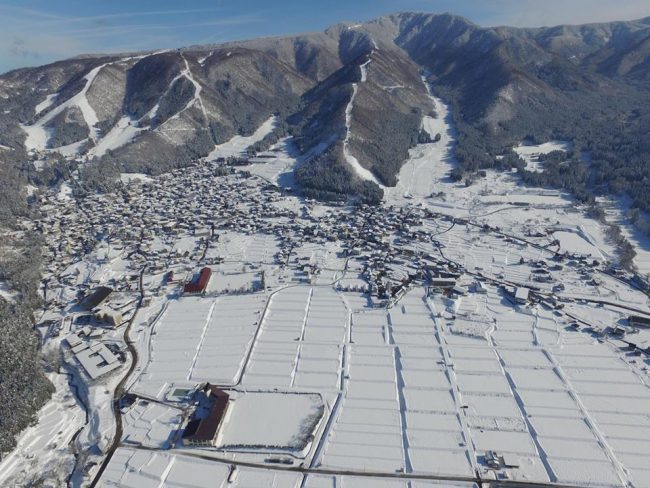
152 424
418 394
274 421
131 468
299 344
574 243
198 340
239 248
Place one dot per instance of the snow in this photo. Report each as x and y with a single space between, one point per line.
278 164
237 145
37 134
201 61
197 91
545 148
5 291
65 192
44 447
425 386
130 468
140 469
192 344
121 134
271 421
71 149
318 317
616 211
364 71
575 243
359 170
5 148
428 163
196 99
152 424
530 153
45 104
128 177
40 164
547 200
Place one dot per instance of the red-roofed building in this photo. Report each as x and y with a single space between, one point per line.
199 283
204 432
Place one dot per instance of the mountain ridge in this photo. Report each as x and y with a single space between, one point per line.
504 84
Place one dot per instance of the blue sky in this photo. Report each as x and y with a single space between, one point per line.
35 32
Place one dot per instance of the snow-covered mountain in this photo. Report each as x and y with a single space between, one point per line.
352 96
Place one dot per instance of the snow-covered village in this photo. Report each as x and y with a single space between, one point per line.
214 329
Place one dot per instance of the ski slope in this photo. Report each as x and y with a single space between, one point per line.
37 133
122 133
359 170
237 145
428 163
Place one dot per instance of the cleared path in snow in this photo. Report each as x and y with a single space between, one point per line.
38 135
429 163
359 170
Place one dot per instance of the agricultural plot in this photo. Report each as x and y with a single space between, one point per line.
272 421
399 411
152 424
149 469
198 340
299 345
522 402
152 469
233 278
575 243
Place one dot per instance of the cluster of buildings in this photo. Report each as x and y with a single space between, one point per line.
107 307
167 225
96 358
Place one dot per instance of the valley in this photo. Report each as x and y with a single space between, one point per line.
403 253
453 336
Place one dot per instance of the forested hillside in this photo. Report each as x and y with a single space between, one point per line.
23 385
583 84
351 93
